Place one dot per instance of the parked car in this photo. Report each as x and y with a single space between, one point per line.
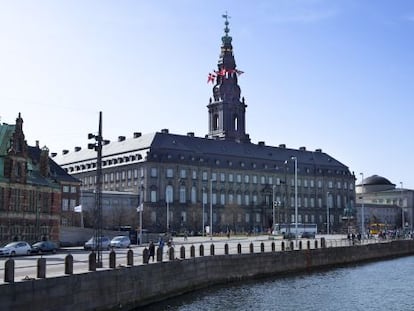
16 248
120 241
308 235
289 235
92 244
44 247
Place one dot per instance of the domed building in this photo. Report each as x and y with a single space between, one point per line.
381 202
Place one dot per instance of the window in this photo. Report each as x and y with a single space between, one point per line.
222 198
230 177
182 194
183 173
262 180
194 174
231 198
246 199
254 199
129 174
214 176
123 175
153 196
319 202
65 205
257 217
183 216
153 172
204 175
270 180
170 173
254 179
312 183
330 184
247 218
193 195
65 188
222 177
338 185
239 199
305 182
246 179
169 194
214 198
319 183
278 181
238 178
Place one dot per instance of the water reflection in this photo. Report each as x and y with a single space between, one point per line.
385 285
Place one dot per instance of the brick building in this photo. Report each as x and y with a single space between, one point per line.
30 188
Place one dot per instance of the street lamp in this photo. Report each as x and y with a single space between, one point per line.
296 198
362 206
327 213
402 208
203 211
167 194
211 208
273 210
97 146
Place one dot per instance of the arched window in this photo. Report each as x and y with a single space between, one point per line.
193 195
215 122
182 194
236 122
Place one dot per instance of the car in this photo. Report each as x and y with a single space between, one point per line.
289 235
16 248
44 247
120 241
308 235
92 245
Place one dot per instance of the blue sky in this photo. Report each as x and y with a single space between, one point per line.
335 75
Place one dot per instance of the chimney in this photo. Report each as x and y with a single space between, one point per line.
121 138
37 144
261 143
65 151
190 134
44 162
318 150
77 149
53 154
282 146
164 131
302 148
137 134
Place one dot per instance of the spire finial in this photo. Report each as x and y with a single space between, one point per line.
226 16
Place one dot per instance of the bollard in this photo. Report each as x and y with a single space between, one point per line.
226 249
201 250
41 268
92 261
212 249
130 257
182 252
112 259
69 264
316 243
251 248
309 244
273 247
171 253
192 251
262 247
239 248
300 245
292 245
159 254
145 255
9 271
283 245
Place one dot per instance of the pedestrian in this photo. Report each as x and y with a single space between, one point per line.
151 251
161 244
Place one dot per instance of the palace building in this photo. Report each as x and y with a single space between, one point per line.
222 179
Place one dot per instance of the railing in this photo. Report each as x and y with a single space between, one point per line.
115 260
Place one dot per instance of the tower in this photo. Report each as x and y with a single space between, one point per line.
227 113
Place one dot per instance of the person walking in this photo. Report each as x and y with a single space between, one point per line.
151 251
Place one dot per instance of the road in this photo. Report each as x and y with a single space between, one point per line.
26 266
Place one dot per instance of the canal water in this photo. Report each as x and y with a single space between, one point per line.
385 285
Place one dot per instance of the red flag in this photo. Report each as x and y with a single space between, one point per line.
222 72
211 78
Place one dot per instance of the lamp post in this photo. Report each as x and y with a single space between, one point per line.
327 213
211 208
273 209
296 198
402 208
141 210
203 211
97 146
167 194
362 206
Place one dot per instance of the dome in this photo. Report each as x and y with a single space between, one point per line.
374 183
376 180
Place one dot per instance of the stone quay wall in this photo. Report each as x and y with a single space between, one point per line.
125 288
